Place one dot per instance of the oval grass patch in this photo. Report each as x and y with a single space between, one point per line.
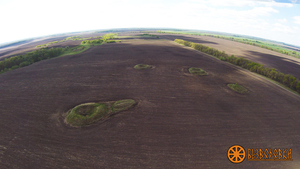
197 71
89 113
237 88
142 66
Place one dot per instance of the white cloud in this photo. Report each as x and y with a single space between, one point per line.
282 20
276 4
297 19
241 3
284 29
295 1
37 18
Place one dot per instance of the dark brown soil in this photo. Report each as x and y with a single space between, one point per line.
181 121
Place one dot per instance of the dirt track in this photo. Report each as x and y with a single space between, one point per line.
181 121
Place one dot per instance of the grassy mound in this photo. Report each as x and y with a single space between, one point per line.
238 88
88 113
122 105
197 71
142 66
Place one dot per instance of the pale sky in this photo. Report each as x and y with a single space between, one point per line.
275 20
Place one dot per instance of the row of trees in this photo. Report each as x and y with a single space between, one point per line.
286 79
44 45
91 42
46 53
29 58
105 38
96 41
109 36
259 44
246 41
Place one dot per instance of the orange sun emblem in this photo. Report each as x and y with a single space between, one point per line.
236 154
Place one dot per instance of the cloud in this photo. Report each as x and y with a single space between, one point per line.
241 3
297 19
278 27
295 1
275 4
282 20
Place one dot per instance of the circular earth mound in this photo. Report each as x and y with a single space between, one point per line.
142 66
237 88
197 71
88 113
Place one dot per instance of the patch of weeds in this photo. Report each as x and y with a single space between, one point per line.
197 71
238 88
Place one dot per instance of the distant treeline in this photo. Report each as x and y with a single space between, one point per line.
105 38
146 34
47 53
286 79
29 58
95 41
73 38
109 36
265 45
259 44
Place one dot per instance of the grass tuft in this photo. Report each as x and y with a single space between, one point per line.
122 105
197 71
142 66
238 88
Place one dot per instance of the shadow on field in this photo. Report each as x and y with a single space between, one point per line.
285 65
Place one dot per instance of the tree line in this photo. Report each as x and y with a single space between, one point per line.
46 53
29 58
245 41
105 38
259 44
286 79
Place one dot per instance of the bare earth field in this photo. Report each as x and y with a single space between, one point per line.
284 63
180 121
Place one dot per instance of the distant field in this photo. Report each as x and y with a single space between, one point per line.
29 58
262 44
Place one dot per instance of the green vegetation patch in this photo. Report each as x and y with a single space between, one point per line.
38 46
142 66
149 35
92 42
197 71
238 88
75 50
86 114
109 36
122 105
29 58
89 113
